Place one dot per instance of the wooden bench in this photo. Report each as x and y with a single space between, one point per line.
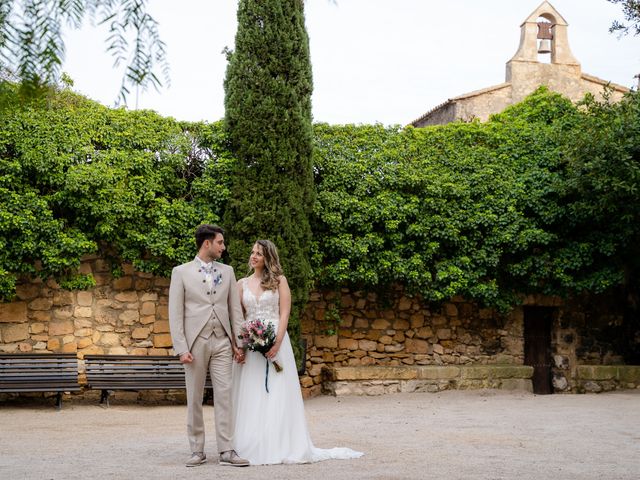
135 372
45 372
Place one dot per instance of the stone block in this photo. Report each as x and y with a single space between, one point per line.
597 372
397 347
629 374
451 310
374 335
560 382
149 297
162 340
380 324
84 342
14 332
398 337
401 324
416 320
140 333
92 350
71 347
592 387
162 312
370 373
325 341
27 291
127 296
348 344
161 326
424 332
142 284
159 351
85 299
361 323
54 344
61 327
41 304
109 339
83 312
306 382
416 346
14 312
63 312
129 317
479 372
368 345
148 308
443 333
404 304
161 282
122 283
437 372
36 328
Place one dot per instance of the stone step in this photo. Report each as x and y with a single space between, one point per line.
379 380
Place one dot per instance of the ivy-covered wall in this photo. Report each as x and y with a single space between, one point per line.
543 199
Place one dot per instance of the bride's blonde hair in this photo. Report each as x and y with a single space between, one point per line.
272 269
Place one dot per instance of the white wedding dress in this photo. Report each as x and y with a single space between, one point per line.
270 427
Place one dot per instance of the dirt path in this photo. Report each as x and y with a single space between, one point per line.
449 435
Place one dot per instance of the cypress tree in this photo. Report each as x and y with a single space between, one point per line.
268 89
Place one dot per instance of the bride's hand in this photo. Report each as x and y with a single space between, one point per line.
273 351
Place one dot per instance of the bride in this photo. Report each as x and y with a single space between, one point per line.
270 426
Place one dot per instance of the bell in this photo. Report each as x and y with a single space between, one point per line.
545 46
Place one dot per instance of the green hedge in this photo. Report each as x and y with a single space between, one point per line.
541 198
77 177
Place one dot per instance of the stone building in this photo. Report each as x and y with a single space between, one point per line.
542 34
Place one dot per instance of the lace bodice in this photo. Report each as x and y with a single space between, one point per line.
265 307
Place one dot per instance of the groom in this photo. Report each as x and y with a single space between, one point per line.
204 313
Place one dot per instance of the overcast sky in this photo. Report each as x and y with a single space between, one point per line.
374 61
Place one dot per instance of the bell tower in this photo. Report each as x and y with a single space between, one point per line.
543 33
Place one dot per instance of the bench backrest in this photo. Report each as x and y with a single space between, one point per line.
134 372
46 372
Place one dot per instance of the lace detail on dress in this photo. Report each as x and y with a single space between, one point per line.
265 307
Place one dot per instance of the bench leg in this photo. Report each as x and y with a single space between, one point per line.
59 401
104 397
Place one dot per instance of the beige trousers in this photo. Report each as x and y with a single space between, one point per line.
213 354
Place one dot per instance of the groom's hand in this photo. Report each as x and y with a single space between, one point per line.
186 358
238 354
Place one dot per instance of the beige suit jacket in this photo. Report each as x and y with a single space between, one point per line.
191 302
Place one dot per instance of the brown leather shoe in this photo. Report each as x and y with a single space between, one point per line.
196 458
231 458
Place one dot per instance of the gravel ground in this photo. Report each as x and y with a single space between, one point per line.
449 435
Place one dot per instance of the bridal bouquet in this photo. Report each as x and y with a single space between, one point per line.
259 336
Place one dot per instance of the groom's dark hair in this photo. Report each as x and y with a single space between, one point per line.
207 232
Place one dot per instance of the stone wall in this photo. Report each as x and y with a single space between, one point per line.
343 330
125 315
362 329
357 329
